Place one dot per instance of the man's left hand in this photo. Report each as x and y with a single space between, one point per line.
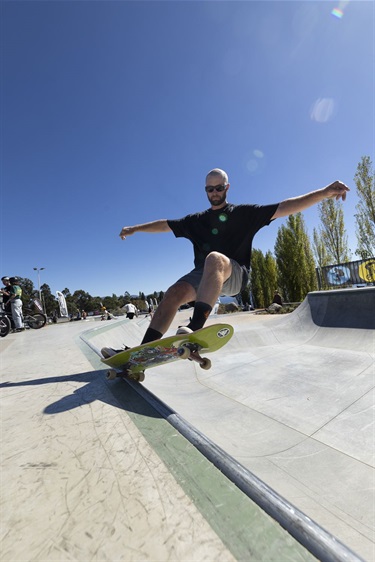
337 189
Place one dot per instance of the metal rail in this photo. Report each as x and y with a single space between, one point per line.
307 532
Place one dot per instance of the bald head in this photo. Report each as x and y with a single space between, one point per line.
218 173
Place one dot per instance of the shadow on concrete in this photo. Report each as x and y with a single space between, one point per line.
117 394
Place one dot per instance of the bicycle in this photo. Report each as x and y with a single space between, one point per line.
5 324
34 320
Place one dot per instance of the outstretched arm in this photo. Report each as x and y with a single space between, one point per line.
152 227
294 205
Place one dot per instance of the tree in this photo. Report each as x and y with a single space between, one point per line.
256 276
270 281
365 218
321 257
94 304
263 278
28 291
111 303
319 249
295 261
245 294
49 301
82 300
332 231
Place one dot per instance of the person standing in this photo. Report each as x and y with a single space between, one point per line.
130 310
16 304
6 293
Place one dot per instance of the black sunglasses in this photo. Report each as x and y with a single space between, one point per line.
218 188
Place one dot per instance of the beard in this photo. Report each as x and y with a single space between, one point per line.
217 199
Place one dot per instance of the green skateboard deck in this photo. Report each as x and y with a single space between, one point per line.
133 362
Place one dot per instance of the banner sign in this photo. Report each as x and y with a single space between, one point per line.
38 305
360 272
62 304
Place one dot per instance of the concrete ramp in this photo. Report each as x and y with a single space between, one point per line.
291 398
334 309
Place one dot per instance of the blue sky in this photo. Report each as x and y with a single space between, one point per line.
113 112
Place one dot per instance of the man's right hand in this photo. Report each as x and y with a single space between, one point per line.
127 231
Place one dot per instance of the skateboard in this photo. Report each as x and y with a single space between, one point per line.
133 362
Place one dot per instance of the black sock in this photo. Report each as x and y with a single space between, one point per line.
201 313
151 335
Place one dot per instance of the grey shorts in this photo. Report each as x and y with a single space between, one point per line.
232 286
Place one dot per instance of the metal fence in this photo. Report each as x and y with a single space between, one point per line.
354 273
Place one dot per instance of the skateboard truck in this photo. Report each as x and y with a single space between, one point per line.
125 373
191 351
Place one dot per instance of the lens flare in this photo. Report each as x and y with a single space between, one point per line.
337 13
323 110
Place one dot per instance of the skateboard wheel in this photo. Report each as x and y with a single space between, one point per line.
183 352
111 375
205 364
139 377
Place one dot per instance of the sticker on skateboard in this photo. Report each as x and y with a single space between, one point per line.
133 362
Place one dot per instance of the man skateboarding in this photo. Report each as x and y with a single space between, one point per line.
222 238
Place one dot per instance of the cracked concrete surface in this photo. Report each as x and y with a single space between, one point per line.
290 397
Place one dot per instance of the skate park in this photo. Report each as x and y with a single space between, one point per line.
111 470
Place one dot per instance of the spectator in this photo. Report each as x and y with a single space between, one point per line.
277 298
16 304
6 293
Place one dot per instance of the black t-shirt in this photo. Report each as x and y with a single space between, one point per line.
6 297
229 230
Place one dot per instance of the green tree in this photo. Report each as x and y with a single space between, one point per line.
245 294
270 281
82 300
28 290
321 257
263 278
332 231
111 303
257 273
295 261
121 301
319 249
139 304
49 303
94 304
365 218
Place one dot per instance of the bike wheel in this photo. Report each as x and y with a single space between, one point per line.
4 326
36 320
